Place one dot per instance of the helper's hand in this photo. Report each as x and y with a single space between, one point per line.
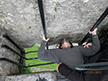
93 32
45 39
87 45
58 66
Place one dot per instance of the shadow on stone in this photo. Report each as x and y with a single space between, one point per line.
41 79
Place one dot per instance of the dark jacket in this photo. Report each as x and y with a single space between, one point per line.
69 56
72 75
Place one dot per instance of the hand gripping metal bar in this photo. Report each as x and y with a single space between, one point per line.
40 4
95 25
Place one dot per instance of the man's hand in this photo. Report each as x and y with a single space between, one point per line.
93 32
87 45
58 66
45 38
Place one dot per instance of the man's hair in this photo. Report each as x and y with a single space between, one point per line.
61 45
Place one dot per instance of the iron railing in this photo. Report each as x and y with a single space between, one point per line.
104 14
104 37
21 54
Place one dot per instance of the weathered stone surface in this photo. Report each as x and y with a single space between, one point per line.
47 76
7 67
64 18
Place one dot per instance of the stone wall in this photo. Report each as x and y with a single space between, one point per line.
20 19
7 68
70 19
45 76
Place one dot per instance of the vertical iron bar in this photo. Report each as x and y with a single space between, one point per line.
40 4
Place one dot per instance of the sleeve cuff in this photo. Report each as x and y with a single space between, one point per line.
95 36
44 41
61 67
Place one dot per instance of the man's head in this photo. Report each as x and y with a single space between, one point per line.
65 44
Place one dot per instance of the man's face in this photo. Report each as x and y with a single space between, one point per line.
65 44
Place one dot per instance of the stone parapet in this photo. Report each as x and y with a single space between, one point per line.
7 68
42 76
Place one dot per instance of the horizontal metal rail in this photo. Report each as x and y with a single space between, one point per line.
7 37
40 64
85 67
9 48
8 60
30 52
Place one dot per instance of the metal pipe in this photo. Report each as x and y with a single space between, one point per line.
8 60
9 48
39 64
95 25
41 10
89 66
6 36
5 59
30 52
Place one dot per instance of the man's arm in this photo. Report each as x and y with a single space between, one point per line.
47 55
69 73
95 45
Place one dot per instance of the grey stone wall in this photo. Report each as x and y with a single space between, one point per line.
70 19
47 76
7 68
